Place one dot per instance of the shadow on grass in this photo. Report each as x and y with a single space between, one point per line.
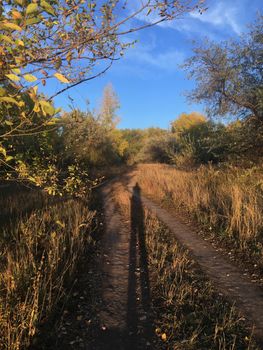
138 265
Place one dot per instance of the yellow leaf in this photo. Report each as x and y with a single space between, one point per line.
16 70
52 121
6 38
61 78
8 122
21 104
164 337
9 100
33 20
20 2
36 107
46 107
149 11
2 91
31 8
35 88
30 78
3 151
16 14
9 25
20 43
12 77
69 56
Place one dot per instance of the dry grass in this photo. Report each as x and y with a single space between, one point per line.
228 200
39 253
189 314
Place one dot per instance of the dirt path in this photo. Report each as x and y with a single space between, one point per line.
125 311
123 315
227 278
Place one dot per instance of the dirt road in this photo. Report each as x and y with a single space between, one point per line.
125 312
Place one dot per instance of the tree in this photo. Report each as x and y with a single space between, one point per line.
72 41
159 148
229 76
134 139
86 139
109 105
200 140
186 121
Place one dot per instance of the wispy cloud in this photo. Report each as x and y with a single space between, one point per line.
166 61
220 15
147 57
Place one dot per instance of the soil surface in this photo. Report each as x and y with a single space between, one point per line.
227 278
126 312
124 319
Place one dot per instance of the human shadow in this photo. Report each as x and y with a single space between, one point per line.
138 266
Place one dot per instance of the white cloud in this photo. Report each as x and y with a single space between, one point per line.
220 15
148 56
167 61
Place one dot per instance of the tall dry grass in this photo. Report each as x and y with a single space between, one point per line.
229 200
39 254
189 313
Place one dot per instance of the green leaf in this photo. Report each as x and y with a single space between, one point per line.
10 26
12 77
31 8
30 78
148 12
9 100
47 7
8 122
46 107
6 38
9 158
58 63
61 78
33 20
3 151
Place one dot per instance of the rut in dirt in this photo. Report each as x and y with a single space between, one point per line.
125 313
226 278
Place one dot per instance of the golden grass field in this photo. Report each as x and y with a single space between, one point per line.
228 201
188 312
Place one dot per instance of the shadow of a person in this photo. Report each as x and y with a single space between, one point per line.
138 258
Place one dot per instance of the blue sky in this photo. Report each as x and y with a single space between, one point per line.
147 80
